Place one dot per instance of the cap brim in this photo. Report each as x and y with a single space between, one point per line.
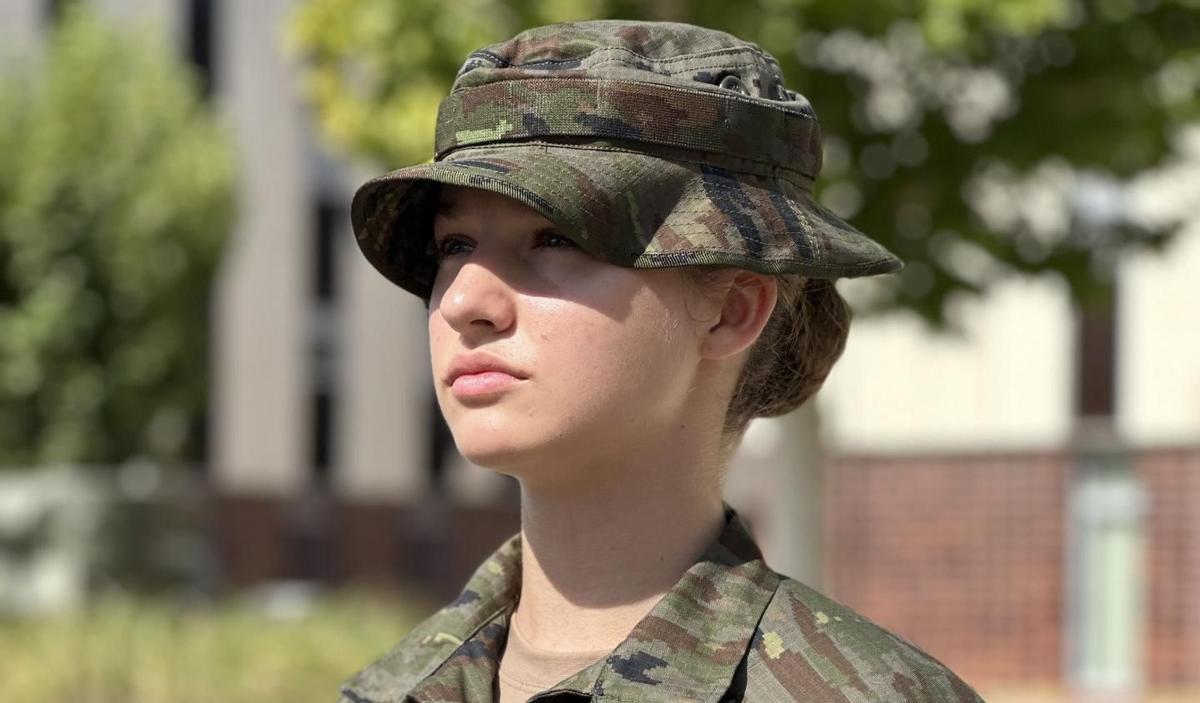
630 208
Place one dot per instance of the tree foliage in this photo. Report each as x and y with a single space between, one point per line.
115 196
957 131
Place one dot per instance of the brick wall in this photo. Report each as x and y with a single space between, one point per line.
962 555
429 550
1173 628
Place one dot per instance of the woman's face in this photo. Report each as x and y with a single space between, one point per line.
600 357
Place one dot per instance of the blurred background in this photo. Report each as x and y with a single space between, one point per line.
223 474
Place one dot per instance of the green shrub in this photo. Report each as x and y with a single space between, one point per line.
116 194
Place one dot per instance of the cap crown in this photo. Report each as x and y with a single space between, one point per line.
663 83
672 51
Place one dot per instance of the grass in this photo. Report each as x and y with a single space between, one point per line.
143 651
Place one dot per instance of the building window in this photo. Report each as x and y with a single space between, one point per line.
1106 569
324 326
441 447
52 11
200 28
322 435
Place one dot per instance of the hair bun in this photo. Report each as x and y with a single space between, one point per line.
790 360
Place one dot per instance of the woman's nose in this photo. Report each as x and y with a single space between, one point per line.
478 299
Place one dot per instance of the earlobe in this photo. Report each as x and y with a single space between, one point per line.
747 306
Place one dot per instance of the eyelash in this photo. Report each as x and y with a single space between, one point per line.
440 253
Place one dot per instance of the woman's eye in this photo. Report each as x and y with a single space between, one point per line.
448 247
453 245
554 239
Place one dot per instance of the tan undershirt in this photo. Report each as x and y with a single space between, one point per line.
526 670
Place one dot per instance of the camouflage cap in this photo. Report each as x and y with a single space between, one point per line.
650 144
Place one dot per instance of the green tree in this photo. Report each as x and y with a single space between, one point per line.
940 116
116 193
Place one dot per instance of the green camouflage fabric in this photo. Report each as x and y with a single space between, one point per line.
650 144
731 629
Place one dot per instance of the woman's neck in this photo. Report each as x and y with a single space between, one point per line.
597 557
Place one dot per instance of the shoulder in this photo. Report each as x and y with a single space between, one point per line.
809 646
420 651
487 594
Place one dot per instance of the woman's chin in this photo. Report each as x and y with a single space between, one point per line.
495 449
517 452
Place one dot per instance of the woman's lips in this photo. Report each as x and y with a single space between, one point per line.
484 383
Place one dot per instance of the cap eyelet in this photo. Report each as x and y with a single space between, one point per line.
475 61
734 83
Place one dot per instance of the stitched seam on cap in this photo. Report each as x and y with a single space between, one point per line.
673 59
769 259
491 54
817 248
775 170
682 72
726 95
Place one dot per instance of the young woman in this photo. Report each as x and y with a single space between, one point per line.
623 266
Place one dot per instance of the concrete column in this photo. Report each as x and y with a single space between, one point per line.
383 434
1158 379
260 412
776 478
990 392
20 28
168 16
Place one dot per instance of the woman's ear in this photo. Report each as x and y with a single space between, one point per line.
746 306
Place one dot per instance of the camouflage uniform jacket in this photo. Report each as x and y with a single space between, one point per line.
731 629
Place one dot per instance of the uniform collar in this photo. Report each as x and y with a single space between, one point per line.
687 648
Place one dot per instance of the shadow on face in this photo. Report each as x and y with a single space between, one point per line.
494 245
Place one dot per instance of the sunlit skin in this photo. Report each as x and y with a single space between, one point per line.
613 430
